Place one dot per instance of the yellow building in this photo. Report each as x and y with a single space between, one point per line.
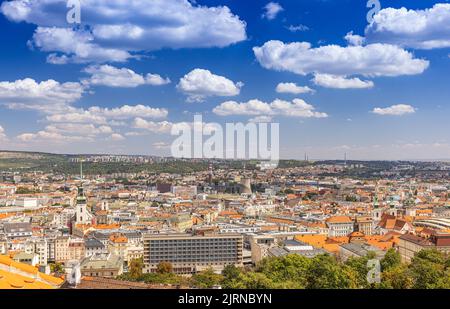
14 275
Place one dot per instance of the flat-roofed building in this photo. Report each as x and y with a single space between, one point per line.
409 244
358 250
192 253
17 230
104 265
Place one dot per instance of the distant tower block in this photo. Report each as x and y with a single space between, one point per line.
246 186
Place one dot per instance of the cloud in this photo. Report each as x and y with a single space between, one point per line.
100 115
2 134
200 84
62 133
116 137
92 124
74 46
395 110
272 9
78 116
152 126
51 137
107 75
420 29
46 96
163 127
370 60
292 88
341 82
354 39
261 119
295 108
79 129
298 28
156 80
117 29
161 145
127 111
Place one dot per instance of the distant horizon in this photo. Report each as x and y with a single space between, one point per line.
219 159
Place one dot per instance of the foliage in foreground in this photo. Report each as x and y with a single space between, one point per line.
429 269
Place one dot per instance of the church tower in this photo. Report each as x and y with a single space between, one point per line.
82 215
377 212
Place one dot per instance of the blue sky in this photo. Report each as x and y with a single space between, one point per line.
118 82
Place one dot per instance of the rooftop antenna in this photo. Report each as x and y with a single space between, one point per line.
345 159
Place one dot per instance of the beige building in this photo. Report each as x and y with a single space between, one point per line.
409 244
118 244
134 253
364 225
67 248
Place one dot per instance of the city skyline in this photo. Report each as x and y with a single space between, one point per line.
119 82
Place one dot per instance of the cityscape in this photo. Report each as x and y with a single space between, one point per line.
217 225
224 151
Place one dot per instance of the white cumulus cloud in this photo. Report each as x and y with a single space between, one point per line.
271 10
395 110
341 82
107 75
46 96
118 29
200 84
354 39
292 88
116 137
421 29
101 115
152 126
369 60
52 137
294 108
2 134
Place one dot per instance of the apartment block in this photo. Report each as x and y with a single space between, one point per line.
192 253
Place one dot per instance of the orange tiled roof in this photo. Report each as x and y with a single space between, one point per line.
118 238
339 219
36 280
106 226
